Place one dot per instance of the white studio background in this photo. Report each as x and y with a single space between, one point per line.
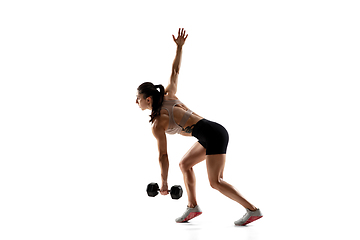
77 153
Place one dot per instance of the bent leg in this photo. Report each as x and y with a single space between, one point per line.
215 166
195 155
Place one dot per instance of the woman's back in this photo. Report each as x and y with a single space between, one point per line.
179 117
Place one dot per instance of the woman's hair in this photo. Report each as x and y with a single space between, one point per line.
150 90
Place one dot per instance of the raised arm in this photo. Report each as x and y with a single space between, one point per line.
180 40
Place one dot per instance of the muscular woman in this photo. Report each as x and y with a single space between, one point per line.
170 116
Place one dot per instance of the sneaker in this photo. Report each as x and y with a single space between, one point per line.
190 213
249 217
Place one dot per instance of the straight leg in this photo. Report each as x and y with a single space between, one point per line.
215 166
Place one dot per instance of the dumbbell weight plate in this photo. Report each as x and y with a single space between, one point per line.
176 192
152 189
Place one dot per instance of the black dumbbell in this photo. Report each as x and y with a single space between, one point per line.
153 190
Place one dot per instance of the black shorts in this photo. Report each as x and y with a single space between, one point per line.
212 136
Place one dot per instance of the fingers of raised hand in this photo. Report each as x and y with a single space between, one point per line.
181 36
182 32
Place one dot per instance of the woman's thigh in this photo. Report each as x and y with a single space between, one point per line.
196 154
215 165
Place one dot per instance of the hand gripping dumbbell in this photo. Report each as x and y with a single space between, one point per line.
153 190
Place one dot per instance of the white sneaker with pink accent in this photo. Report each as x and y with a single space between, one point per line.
189 214
249 217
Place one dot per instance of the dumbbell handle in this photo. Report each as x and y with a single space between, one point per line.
159 190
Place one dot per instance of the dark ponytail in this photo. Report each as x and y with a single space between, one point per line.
151 90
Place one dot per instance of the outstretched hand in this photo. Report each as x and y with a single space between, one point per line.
180 40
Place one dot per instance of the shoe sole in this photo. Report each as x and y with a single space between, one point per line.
251 219
191 216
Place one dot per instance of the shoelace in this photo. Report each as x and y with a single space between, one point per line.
187 209
244 215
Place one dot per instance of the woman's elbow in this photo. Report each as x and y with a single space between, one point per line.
163 156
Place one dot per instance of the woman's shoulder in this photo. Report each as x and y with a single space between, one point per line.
169 97
170 101
161 121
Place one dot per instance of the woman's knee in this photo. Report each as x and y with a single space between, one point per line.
184 166
187 163
195 155
215 183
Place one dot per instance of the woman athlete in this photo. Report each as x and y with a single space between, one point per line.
169 115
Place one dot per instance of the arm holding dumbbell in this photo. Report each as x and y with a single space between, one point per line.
158 130
164 165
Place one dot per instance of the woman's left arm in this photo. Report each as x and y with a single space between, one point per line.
180 41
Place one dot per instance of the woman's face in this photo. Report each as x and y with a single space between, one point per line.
143 103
